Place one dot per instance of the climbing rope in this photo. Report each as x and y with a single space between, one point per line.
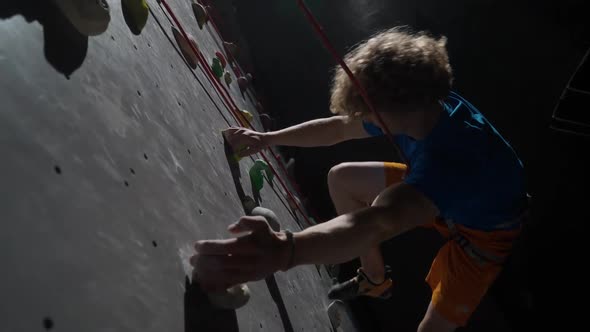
238 116
320 31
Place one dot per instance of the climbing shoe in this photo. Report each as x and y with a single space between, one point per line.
361 285
89 17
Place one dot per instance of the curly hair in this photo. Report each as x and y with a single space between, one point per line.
397 68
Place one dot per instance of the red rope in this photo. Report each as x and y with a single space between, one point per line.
320 31
233 108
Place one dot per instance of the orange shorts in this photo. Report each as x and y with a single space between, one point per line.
457 280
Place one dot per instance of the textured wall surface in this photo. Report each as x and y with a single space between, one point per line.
113 165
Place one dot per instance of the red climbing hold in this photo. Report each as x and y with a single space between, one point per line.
221 58
185 49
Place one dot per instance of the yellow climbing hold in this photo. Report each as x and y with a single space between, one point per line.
248 115
135 13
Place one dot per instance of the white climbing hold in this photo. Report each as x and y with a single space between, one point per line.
89 17
335 310
293 204
232 298
269 215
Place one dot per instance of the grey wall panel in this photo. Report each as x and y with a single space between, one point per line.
109 176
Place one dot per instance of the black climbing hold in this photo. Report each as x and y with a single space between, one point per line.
126 183
154 244
145 156
57 169
132 171
47 323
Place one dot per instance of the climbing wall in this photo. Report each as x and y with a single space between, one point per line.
113 165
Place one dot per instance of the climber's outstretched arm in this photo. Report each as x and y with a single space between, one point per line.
223 263
318 132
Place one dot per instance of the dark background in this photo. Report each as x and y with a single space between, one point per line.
512 59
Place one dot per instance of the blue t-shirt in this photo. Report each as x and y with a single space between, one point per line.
465 167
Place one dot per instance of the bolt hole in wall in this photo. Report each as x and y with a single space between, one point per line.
154 243
149 45
57 169
113 37
135 47
200 212
139 93
47 323
132 171
188 150
126 183
145 156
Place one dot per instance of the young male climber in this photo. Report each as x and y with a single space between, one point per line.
463 179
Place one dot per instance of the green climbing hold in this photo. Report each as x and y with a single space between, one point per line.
256 177
136 14
217 68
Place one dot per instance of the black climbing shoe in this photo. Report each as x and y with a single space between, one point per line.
361 285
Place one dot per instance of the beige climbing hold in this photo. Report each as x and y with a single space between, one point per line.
249 204
232 298
243 84
231 49
185 49
201 14
227 77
